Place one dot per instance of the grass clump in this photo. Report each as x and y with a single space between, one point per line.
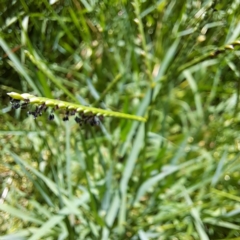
174 176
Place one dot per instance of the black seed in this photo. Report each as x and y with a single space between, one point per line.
96 120
72 113
45 108
83 115
77 119
26 100
16 105
32 113
13 101
51 116
37 112
40 109
65 118
90 121
24 105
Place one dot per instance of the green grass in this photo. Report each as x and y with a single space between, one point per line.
176 176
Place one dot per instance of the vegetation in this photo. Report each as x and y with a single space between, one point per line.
175 176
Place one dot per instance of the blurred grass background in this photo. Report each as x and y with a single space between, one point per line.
175 177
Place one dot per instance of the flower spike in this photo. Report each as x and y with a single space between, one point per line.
89 115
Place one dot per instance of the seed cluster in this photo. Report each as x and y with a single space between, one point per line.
16 103
90 119
80 118
38 111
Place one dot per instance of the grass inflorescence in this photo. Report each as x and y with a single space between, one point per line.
86 115
81 119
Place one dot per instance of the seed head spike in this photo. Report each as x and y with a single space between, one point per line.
89 115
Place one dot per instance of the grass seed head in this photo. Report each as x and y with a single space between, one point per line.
83 118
